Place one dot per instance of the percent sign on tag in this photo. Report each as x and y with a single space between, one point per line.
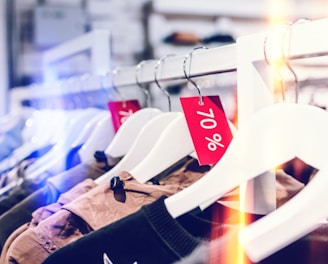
208 127
214 142
209 123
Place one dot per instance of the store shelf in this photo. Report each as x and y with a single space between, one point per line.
254 9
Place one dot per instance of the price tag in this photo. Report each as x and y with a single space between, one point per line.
208 127
122 110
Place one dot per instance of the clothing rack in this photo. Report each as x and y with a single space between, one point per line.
203 62
255 84
97 42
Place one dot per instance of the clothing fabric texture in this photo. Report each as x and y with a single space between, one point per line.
12 173
28 186
21 213
45 211
11 137
97 208
20 192
158 239
72 157
310 249
220 225
149 235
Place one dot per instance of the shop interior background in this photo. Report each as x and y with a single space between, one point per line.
140 30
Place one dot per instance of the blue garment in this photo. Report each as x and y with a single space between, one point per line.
11 140
14 211
73 158
21 165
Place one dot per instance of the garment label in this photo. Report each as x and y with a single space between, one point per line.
108 261
122 110
208 127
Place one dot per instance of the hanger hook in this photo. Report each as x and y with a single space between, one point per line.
158 63
83 79
268 62
285 57
145 90
104 86
74 91
187 76
117 91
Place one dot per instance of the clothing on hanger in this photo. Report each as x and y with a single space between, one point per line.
10 135
307 250
37 133
150 235
143 143
278 130
101 206
19 190
54 161
45 211
166 237
49 192
30 149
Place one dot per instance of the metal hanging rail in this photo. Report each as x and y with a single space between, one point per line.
306 40
204 62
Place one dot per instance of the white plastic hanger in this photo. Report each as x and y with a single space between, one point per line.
128 131
38 132
278 229
173 144
88 129
58 153
101 136
67 121
275 134
83 100
300 215
290 222
101 127
78 120
144 142
58 136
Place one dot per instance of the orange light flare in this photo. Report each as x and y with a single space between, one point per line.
277 43
233 252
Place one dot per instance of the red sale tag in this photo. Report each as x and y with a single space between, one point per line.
122 110
208 127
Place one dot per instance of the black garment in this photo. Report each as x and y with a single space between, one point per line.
53 187
20 192
33 155
21 166
150 235
311 249
27 187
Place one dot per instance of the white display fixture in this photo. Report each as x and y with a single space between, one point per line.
253 9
